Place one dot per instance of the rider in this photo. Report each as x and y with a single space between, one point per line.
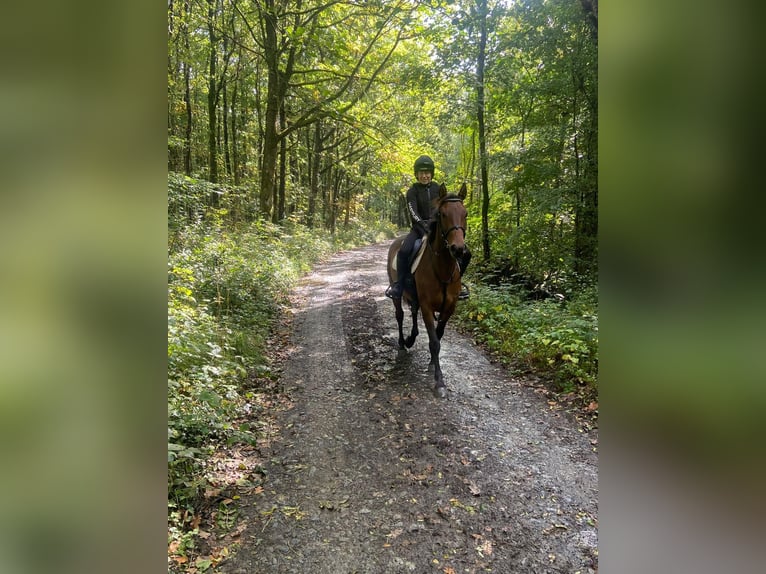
420 199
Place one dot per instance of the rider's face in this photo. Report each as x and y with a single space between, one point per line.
424 177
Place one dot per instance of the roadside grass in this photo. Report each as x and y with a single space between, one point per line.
558 339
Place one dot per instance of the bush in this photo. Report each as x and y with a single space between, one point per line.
557 338
202 392
226 285
228 277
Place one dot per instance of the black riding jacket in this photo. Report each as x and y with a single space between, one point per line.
420 200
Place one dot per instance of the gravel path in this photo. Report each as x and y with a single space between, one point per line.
373 474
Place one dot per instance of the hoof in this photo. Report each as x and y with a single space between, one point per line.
440 392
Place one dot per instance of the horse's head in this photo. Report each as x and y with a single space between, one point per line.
450 218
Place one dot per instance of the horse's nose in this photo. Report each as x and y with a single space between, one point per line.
457 250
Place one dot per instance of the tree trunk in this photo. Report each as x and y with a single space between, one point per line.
174 160
315 165
279 200
234 149
270 130
348 207
187 96
212 97
225 119
189 124
591 14
482 5
586 212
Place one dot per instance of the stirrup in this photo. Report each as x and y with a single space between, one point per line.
464 292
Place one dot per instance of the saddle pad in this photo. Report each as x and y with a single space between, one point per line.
419 255
415 262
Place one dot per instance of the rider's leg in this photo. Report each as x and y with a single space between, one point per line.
396 290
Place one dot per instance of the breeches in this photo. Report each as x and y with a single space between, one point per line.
409 242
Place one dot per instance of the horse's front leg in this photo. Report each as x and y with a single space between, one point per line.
442 323
434 345
414 333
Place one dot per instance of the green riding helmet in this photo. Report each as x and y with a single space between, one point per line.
424 163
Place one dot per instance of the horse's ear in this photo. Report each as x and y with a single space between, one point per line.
442 191
463 191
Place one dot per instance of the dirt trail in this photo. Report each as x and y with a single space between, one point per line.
374 475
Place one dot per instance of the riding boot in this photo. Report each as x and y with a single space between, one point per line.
396 290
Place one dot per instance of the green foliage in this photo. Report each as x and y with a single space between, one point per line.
369 228
348 157
191 200
202 376
227 281
560 338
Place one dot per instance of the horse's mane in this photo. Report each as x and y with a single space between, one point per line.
432 230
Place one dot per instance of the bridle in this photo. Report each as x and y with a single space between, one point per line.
455 264
446 233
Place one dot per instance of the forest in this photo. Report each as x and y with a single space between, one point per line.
293 126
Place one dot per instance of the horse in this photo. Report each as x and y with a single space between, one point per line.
437 277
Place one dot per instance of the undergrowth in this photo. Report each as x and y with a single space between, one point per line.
556 338
228 278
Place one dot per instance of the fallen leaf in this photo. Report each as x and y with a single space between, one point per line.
593 406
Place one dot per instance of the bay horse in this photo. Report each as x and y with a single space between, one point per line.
437 278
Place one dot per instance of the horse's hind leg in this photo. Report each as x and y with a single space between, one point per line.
414 333
399 320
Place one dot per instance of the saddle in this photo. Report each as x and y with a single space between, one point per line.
417 254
